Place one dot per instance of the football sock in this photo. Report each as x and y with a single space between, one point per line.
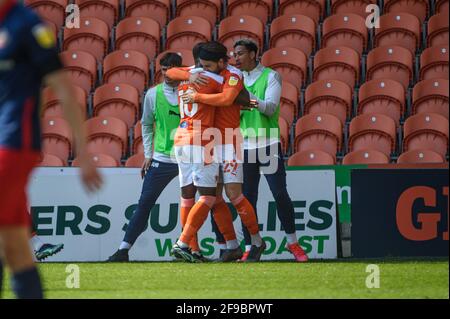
197 217
186 206
224 219
27 284
292 238
248 217
124 245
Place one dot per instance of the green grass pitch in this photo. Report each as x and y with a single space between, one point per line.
317 279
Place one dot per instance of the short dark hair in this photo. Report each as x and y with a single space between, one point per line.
215 50
196 50
248 44
170 59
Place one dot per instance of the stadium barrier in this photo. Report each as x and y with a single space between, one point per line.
92 227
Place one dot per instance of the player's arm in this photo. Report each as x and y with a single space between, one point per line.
41 48
231 89
147 122
194 76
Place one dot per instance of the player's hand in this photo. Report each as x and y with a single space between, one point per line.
90 176
145 167
252 105
197 79
188 97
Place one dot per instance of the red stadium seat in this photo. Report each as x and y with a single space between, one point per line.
295 31
289 102
402 29
382 96
51 10
420 157
139 34
419 8
107 135
434 63
158 10
351 6
99 160
186 32
210 9
291 63
81 68
284 134
390 62
345 29
329 97
438 30
135 161
187 60
374 132
431 96
365 157
261 9
311 8
337 63
311 158
51 106
426 131
441 6
117 100
235 28
106 10
126 66
49 160
318 132
57 137
92 36
138 147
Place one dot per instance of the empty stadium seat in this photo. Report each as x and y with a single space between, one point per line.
158 10
419 8
351 6
185 32
441 6
49 160
402 29
318 132
138 147
210 9
106 10
261 9
81 68
135 161
431 96
235 28
438 30
107 135
186 57
51 10
139 34
99 160
374 132
337 63
289 102
345 29
92 36
310 158
390 62
284 134
291 63
420 157
126 66
382 96
365 157
51 106
56 137
311 8
426 131
117 100
434 63
295 31
330 97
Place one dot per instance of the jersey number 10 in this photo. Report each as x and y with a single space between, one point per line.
184 108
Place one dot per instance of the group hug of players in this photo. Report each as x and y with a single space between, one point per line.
208 124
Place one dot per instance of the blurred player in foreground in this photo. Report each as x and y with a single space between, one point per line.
28 58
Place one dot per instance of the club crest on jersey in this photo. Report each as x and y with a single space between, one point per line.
3 38
233 81
44 36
